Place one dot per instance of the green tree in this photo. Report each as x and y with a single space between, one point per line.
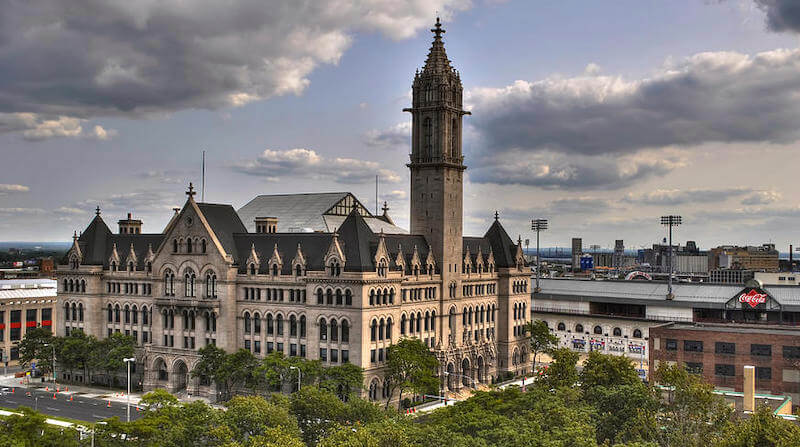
562 371
541 339
107 354
29 429
608 370
255 416
318 413
74 351
344 380
410 367
37 344
692 415
761 429
227 371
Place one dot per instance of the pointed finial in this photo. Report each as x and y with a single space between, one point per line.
438 29
191 192
97 211
385 208
75 235
496 215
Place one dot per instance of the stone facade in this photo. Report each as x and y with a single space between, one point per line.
342 296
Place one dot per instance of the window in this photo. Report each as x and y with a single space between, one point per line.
598 330
293 326
323 354
323 329
617 332
671 345
373 331
334 356
345 332
694 368
791 352
279 324
345 356
579 328
637 333
724 348
761 350
763 373
334 330
302 326
692 346
724 370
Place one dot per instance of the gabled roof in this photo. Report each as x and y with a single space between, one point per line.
93 242
357 237
224 221
501 244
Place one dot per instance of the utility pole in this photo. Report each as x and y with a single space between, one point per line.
670 221
538 225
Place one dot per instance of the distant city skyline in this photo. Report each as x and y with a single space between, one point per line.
619 112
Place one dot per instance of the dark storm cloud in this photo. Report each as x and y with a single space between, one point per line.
782 15
82 59
710 97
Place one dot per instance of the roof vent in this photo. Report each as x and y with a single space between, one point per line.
266 225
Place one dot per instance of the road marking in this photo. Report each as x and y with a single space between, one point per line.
99 417
52 409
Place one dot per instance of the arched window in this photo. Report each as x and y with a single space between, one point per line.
427 127
293 326
270 325
279 324
274 269
130 267
189 278
247 322
427 320
203 246
348 297
256 323
334 330
338 297
323 329
145 316
302 326
419 321
127 314
617 332
298 270
66 311
345 331
116 313
579 328
637 333
373 390
391 296
207 316
389 328
598 330
451 321
252 269
329 297
562 326
403 324
319 297
189 245
169 283
373 331
433 321
174 245
381 327
110 314
371 297
83 286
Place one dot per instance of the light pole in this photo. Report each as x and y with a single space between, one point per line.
55 382
93 427
538 225
670 221
128 362
299 375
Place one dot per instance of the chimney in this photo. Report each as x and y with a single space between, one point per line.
130 225
749 403
791 267
266 225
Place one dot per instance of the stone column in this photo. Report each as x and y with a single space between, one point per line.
749 388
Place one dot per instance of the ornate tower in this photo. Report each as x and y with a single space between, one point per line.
437 164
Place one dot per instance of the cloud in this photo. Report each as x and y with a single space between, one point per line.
673 197
551 170
35 127
398 135
782 15
67 61
21 211
170 176
306 163
762 198
709 97
6 188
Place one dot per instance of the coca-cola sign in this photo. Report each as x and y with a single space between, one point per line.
753 297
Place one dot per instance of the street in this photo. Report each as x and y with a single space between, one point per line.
80 408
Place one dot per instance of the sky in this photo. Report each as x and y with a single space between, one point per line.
599 116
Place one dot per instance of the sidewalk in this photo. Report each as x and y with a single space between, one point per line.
78 390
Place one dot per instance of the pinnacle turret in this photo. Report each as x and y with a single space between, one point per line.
437 61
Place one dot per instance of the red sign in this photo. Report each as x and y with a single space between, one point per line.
16 325
30 324
46 323
753 298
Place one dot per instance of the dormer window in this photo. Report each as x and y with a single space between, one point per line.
383 268
131 267
335 269
203 247
149 267
275 270
298 270
113 266
252 269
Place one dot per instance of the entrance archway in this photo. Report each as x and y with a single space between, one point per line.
181 374
161 370
481 375
465 373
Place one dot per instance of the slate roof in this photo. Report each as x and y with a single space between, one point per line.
97 243
503 247
224 221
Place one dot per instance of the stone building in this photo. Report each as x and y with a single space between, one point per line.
342 291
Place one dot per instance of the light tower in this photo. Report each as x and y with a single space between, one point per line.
538 225
670 221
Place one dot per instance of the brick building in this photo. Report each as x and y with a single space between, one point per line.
24 304
720 351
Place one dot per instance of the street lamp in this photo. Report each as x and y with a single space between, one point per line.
670 221
299 375
128 362
93 427
538 225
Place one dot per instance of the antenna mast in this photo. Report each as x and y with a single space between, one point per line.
203 182
376 195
